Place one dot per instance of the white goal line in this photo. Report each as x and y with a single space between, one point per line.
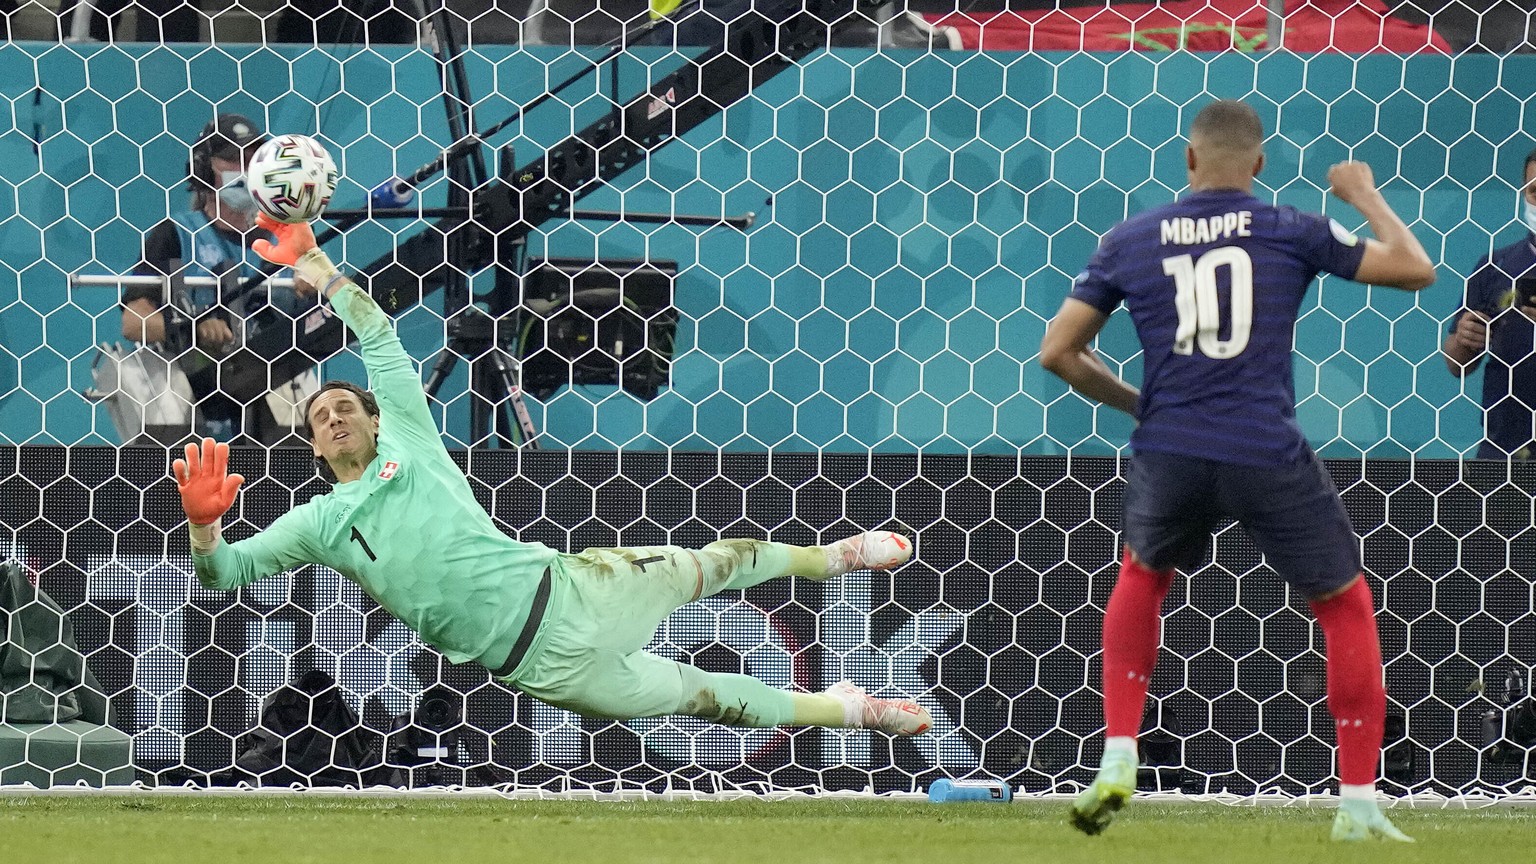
1525 797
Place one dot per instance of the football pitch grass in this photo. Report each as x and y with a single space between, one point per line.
296 829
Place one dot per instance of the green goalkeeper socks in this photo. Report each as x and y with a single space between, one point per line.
744 563
808 562
781 559
818 709
752 703
737 564
741 700
734 700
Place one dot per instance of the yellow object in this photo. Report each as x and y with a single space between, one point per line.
817 709
662 8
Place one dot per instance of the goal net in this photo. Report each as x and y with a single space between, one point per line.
789 287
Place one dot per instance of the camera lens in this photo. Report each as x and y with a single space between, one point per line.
435 712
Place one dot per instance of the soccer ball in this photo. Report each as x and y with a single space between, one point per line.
292 178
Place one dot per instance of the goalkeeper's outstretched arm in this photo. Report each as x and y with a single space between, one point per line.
207 493
391 374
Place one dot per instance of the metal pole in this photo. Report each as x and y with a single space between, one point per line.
80 21
111 280
740 223
885 17
1274 34
532 30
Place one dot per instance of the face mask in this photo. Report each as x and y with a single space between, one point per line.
1528 213
233 194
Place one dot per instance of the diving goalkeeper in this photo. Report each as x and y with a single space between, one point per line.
567 629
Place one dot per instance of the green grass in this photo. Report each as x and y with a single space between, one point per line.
293 829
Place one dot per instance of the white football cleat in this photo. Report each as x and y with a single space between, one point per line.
872 550
902 717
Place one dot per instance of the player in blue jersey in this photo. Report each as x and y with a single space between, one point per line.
1213 283
1497 320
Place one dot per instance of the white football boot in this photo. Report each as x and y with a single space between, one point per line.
902 717
872 550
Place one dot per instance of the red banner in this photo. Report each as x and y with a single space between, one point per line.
1353 26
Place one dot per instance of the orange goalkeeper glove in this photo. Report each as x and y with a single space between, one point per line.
207 489
295 247
293 240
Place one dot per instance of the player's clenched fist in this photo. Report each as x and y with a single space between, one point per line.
1351 181
207 489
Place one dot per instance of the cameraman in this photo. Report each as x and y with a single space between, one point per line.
213 238
1498 319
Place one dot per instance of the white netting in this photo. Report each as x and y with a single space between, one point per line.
859 353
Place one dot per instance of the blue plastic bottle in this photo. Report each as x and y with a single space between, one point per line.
945 789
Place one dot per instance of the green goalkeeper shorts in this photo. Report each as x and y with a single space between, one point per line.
605 606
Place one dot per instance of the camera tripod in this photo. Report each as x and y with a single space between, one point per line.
472 334
495 373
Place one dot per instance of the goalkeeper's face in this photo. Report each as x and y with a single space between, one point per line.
344 432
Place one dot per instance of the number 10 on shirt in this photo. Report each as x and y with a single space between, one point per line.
1195 297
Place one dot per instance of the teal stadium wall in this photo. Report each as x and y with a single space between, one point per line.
929 213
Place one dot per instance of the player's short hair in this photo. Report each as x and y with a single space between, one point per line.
1229 124
1530 159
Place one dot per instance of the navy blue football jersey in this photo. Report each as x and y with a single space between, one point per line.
1214 283
1509 377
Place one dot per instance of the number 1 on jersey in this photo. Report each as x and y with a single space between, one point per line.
1199 307
358 536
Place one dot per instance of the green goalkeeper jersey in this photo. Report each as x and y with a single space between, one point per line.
409 531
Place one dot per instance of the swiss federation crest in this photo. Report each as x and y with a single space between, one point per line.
388 471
